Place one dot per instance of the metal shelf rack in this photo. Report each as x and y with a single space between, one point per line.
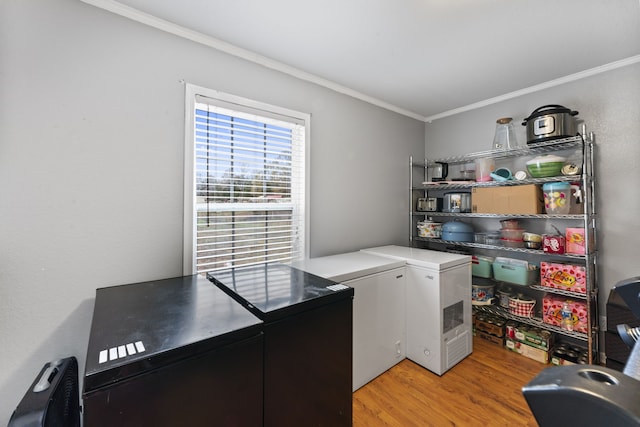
419 187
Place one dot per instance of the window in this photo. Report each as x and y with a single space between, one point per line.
245 184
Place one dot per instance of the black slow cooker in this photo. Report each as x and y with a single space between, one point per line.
550 122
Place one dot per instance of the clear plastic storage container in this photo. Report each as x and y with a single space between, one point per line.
557 198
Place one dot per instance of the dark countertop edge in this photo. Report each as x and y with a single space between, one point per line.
130 368
288 310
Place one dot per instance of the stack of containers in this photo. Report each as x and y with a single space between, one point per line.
511 233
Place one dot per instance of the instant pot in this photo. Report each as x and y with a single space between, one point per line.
457 202
550 122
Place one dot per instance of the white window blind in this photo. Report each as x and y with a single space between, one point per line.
248 189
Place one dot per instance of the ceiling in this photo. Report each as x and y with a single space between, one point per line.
423 58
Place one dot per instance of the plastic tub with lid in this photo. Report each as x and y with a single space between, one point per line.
481 266
512 243
457 231
557 198
512 233
510 224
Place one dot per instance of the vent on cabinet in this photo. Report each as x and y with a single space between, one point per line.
457 349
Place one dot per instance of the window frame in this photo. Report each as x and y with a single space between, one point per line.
189 223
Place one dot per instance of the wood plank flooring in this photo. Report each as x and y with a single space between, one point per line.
482 390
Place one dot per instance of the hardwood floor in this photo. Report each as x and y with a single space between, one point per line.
482 390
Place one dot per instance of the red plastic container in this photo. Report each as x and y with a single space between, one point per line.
512 233
511 243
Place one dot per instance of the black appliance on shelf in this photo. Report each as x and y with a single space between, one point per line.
589 395
174 352
53 398
307 342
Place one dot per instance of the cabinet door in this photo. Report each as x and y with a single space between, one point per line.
308 368
223 386
378 324
438 316
423 317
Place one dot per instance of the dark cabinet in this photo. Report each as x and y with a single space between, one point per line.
172 352
186 351
308 350
221 387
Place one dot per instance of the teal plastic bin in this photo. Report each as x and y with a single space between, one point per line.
515 271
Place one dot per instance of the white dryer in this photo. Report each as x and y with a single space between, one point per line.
378 308
438 309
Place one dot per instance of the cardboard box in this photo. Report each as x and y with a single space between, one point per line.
517 199
574 241
558 361
534 337
553 244
491 326
552 312
536 354
491 338
563 276
564 354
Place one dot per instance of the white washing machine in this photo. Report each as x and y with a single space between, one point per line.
378 308
438 309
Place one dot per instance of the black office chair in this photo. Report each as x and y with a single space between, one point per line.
589 395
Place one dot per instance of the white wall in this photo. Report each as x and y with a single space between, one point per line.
91 163
609 103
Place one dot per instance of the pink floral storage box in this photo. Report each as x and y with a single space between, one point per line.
552 312
574 238
563 276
